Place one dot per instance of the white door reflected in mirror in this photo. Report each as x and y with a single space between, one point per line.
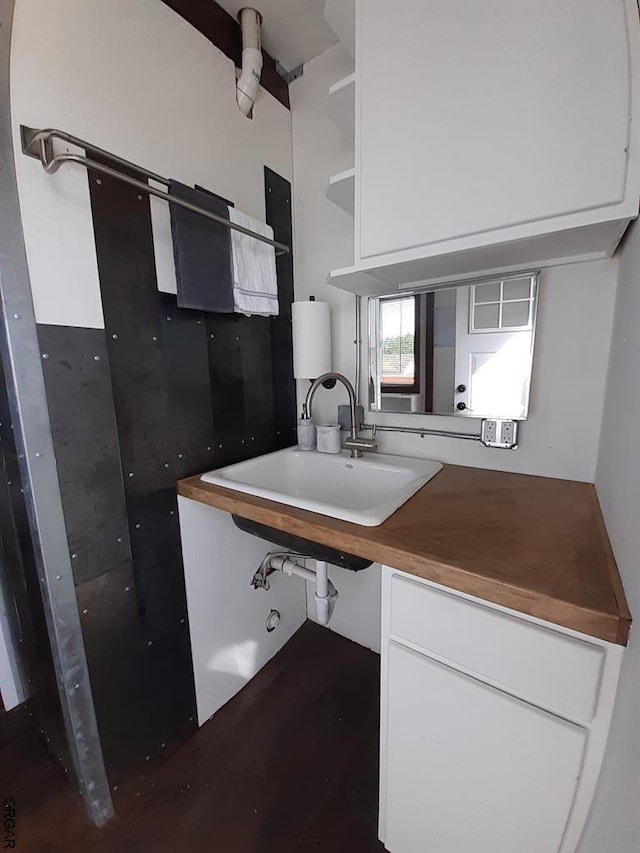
464 349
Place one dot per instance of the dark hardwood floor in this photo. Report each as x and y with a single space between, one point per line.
290 765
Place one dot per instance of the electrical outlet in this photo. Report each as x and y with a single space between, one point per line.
507 433
499 433
489 432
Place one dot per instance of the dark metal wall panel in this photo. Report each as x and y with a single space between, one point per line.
126 266
85 439
278 210
256 347
225 333
186 369
161 395
141 680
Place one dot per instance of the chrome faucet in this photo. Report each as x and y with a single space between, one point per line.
355 443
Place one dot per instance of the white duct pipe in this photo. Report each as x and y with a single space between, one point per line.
249 80
325 594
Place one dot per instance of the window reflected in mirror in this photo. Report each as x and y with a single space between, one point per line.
464 349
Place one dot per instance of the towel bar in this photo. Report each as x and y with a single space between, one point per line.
38 144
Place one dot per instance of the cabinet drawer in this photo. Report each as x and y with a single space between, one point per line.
470 769
555 670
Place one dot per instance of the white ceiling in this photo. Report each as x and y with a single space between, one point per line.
293 31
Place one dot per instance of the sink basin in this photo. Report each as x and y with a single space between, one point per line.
364 491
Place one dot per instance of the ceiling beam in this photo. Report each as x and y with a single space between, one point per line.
223 31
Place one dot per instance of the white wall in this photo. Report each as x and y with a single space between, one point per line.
614 823
227 616
575 316
137 80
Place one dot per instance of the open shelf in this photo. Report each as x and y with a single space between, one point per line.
342 105
341 190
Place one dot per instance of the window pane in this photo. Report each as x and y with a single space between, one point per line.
487 292
519 288
397 333
515 314
486 316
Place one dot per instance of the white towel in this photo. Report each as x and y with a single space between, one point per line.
255 286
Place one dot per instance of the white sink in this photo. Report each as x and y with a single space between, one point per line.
365 491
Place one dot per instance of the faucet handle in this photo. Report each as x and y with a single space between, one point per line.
359 444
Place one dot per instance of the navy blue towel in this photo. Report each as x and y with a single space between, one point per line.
202 252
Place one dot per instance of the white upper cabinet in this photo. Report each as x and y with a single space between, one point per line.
492 136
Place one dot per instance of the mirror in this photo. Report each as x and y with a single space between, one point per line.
463 349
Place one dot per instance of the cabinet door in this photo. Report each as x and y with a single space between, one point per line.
470 768
481 116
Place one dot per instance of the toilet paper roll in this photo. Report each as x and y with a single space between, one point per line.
311 339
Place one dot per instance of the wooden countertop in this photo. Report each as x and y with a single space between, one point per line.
536 545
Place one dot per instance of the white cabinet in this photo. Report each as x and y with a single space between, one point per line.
469 767
493 724
492 135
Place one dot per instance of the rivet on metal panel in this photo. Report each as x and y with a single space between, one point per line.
237 337
169 318
138 525
45 355
96 358
115 337
172 512
166 464
242 442
76 686
140 198
180 455
131 474
253 438
182 621
154 337
119 539
150 642
220 447
85 611
212 336
38 455
74 556
99 181
147 758
9 483
58 577
208 447
190 719
17 316
114 789
198 322
162 745
127 589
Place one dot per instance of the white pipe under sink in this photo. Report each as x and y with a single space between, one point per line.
325 594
